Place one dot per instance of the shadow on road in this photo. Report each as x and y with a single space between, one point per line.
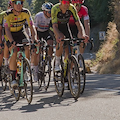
95 84
98 83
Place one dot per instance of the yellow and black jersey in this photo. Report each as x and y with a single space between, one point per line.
15 23
63 18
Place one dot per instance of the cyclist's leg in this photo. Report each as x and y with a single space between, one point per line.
34 63
6 52
50 51
82 45
13 67
64 30
27 52
49 42
58 55
18 37
35 60
6 56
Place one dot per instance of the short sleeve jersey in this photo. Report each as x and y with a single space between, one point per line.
41 22
63 18
16 22
83 12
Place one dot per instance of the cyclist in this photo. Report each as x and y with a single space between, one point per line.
42 24
13 23
61 13
82 12
2 14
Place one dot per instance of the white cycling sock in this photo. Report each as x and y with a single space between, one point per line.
6 61
36 68
57 62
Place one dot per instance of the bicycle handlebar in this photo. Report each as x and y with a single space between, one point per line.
19 45
79 40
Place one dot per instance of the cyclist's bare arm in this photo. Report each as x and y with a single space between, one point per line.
8 33
33 33
87 27
81 33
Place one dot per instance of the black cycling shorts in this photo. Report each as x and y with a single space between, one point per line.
45 35
19 36
74 30
64 29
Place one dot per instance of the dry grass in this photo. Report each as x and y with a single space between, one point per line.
108 57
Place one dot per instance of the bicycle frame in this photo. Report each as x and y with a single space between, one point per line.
69 55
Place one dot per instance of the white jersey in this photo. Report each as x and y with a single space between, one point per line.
41 22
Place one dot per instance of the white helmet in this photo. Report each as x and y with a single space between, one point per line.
47 6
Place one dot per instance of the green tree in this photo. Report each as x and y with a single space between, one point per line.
38 4
99 11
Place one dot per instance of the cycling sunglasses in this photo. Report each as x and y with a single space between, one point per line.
65 2
18 2
49 12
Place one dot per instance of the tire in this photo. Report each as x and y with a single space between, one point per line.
27 76
59 79
82 73
74 77
15 92
40 72
47 72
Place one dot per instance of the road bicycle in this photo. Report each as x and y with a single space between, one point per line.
44 66
23 77
69 72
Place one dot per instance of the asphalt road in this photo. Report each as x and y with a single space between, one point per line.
100 101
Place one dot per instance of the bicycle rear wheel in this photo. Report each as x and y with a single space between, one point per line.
59 79
47 72
27 76
74 77
82 73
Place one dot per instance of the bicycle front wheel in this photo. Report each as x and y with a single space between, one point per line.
74 77
82 72
59 79
27 76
